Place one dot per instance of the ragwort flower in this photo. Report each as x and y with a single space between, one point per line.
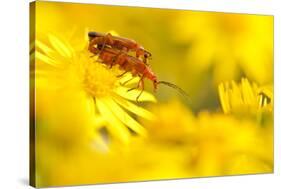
245 97
75 75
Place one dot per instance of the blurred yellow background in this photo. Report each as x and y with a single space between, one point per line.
209 135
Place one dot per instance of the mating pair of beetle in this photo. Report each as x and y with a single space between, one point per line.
113 50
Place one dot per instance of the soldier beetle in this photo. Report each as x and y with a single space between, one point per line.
101 40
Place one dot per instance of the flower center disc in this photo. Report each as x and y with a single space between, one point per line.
99 80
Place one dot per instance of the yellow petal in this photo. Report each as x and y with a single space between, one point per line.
115 127
224 99
89 104
45 59
43 47
60 46
247 92
134 108
99 121
236 99
132 95
125 117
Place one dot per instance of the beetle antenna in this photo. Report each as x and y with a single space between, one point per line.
180 90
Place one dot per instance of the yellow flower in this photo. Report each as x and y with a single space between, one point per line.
173 124
211 144
227 145
78 82
245 97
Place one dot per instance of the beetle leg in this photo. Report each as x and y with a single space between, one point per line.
107 39
127 81
103 45
145 61
141 85
111 65
132 88
122 74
